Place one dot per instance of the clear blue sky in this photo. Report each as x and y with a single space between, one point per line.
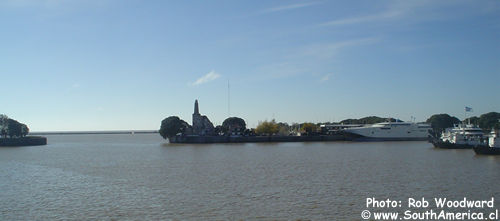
123 64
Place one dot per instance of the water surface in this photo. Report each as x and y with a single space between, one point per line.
140 177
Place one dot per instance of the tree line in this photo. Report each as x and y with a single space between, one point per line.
12 128
173 125
487 121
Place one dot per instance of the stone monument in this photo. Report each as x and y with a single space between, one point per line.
201 124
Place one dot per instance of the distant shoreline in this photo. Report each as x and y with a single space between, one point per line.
94 132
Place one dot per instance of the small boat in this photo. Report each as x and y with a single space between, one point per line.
493 147
462 136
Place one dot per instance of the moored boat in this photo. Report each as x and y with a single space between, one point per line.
492 148
463 136
389 131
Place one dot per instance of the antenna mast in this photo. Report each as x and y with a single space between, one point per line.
228 100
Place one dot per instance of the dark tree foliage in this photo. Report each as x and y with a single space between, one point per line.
283 129
472 120
309 128
15 129
218 130
489 121
249 132
369 120
24 130
486 121
3 132
441 121
171 126
232 124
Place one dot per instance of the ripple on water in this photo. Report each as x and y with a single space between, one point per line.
139 177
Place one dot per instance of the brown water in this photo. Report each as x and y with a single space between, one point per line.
139 177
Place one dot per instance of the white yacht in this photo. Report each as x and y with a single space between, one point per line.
466 135
390 131
492 147
493 140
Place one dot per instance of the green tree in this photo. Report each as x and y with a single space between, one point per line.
233 124
489 121
283 129
3 132
369 120
267 128
14 128
173 125
218 129
4 120
472 120
308 128
24 130
4 124
441 121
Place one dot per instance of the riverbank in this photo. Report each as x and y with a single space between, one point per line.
254 139
23 141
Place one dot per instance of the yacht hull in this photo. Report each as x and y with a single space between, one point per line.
389 131
486 150
448 145
390 139
357 137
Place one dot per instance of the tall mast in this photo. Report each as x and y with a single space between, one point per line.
228 100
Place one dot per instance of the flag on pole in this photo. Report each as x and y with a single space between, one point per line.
468 109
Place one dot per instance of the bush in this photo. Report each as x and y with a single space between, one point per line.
173 125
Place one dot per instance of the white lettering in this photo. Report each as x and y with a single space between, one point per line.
374 203
369 202
440 202
418 203
491 203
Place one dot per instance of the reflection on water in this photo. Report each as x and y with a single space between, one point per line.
141 177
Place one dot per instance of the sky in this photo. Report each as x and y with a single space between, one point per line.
70 65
